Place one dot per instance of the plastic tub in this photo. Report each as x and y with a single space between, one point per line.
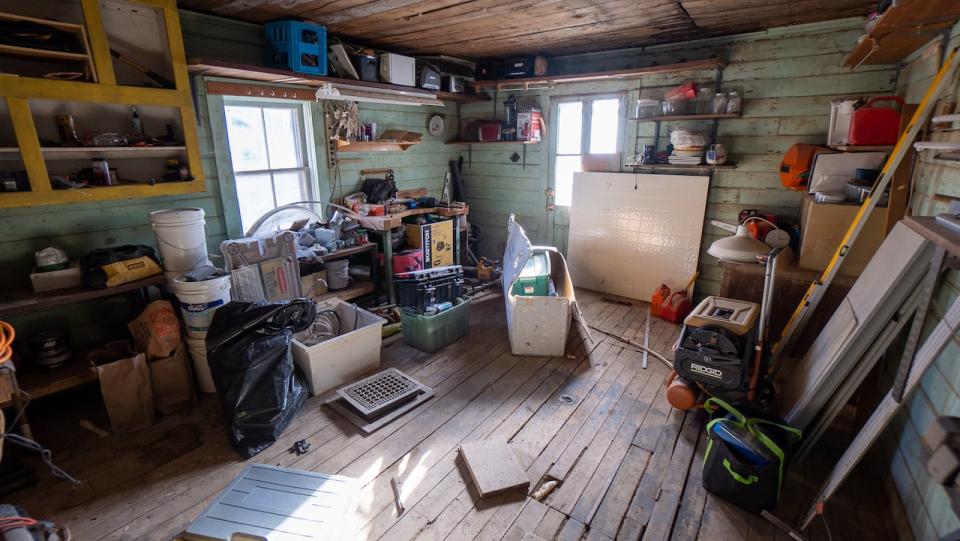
198 354
430 333
181 238
199 300
354 353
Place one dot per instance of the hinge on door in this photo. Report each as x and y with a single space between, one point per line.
551 207
549 192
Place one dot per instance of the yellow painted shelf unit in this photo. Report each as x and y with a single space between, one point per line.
17 92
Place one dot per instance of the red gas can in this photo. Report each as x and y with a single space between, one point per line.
676 307
656 300
871 125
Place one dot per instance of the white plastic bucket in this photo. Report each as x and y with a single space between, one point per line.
198 353
199 300
181 238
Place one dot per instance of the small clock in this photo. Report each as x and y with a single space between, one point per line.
435 125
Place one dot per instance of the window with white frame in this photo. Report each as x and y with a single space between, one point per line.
268 150
584 126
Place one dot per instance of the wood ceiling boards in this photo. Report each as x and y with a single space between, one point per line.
499 28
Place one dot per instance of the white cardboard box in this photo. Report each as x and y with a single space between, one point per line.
398 69
342 359
538 326
58 279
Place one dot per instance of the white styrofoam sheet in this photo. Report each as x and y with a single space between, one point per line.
629 233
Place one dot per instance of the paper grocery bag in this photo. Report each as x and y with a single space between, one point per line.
127 393
172 381
156 331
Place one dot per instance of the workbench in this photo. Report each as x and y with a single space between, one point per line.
387 223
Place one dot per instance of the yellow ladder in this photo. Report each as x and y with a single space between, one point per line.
817 289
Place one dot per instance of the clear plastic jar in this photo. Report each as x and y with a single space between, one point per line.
719 104
733 102
705 101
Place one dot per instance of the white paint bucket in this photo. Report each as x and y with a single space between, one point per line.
199 300
181 238
198 353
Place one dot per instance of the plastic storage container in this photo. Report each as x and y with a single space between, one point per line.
534 279
299 46
342 359
430 333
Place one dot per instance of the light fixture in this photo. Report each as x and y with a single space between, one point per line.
347 92
741 246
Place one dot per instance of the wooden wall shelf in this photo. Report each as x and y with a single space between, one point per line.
109 153
668 118
373 146
492 143
457 97
18 92
902 29
526 82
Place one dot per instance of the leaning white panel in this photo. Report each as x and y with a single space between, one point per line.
629 233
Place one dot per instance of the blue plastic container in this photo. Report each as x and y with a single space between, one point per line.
298 46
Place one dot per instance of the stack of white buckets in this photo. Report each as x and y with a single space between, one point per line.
182 240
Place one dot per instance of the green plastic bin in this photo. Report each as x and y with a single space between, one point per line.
534 279
430 333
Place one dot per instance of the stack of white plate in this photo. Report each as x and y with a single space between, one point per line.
686 156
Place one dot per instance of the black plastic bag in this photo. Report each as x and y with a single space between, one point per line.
379 190
249 353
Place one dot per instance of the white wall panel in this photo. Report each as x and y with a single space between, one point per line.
630 233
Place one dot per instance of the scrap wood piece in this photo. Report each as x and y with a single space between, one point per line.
493 467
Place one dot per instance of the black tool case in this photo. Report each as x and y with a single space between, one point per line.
420 289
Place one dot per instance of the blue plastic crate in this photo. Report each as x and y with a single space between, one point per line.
303 32
298 46
298 57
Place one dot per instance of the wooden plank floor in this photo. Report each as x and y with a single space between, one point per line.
624 464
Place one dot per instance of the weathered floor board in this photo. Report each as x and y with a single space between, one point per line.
592 422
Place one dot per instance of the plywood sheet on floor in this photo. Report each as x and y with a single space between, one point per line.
621 463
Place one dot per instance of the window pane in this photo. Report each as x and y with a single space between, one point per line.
291 187
569 127
282 138
604 125
255 195
248 150
566 166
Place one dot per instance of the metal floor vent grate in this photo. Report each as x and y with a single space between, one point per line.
380 392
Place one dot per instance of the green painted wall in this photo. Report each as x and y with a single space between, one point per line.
936 182
79 228
787 77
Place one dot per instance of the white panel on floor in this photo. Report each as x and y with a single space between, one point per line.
630 233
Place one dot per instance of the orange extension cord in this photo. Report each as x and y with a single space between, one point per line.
7 334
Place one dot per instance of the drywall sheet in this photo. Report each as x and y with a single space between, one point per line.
629 233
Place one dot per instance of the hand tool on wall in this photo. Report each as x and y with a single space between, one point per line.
159 79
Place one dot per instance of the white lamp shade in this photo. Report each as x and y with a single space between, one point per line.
740 247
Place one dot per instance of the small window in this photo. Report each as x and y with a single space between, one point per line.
583 126
269 156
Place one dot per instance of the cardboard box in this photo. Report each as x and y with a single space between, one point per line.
436 241
822 227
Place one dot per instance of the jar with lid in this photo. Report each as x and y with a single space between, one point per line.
719 104
705 101
647 108
733 102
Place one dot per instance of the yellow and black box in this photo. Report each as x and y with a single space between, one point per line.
436 241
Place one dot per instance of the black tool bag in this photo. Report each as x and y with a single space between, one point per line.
729 475
108 267
379 190
250 358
